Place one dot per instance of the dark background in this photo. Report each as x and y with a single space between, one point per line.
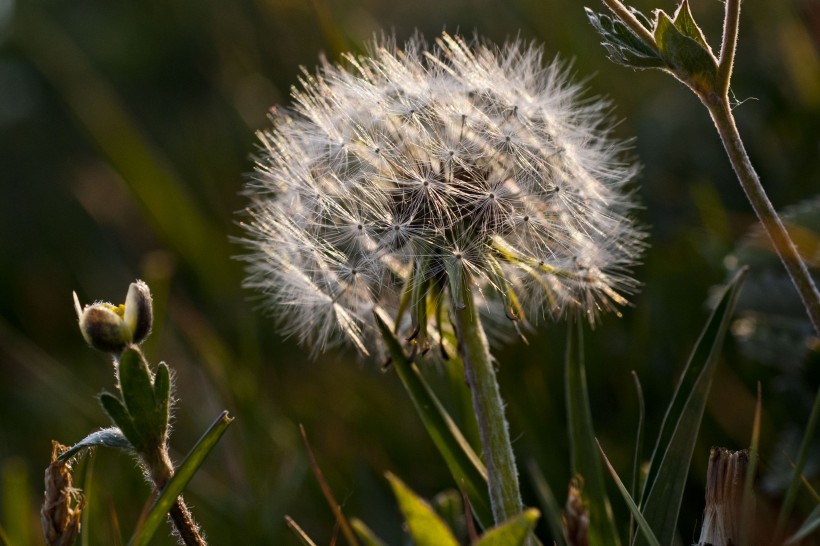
126 130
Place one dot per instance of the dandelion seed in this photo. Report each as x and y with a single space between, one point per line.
404 174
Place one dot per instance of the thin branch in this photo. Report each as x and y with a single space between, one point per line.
731 24
623 13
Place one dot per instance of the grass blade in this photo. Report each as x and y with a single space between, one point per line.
183 475
676 441
302 536
811 524
636 461
584 453
335 507
748 507
643 525
464 465
549 506
800 463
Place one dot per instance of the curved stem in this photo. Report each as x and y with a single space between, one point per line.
787 251
502 476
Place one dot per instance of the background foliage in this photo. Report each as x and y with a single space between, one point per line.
125 130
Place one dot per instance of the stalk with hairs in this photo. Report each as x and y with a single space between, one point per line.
454 189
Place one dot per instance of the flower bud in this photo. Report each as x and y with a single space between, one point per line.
103 328
110 328
139 311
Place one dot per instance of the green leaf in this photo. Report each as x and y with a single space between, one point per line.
118 413
584 451
549 506
622 44
464 465
183 475
107 437
162 396
513 532
687 26
425 526
136 384
690 61
669 465
367 536
811 524
643 525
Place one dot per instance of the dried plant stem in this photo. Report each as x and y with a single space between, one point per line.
721 113
502 476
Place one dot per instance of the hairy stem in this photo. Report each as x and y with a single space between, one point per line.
724 121
728 46
161 472
502 476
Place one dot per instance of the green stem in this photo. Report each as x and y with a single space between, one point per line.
721 113
502 476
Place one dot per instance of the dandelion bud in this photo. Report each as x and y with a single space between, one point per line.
110 328
404 179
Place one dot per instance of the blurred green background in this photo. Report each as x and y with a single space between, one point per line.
126 130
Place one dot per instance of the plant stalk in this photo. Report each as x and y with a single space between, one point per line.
162 471
721 113
502 476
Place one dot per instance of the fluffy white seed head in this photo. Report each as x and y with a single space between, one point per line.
400 175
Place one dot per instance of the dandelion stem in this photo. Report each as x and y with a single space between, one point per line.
502 476
721 113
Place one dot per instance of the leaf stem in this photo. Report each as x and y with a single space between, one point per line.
721 113
623 13
162 471
502 476
731 23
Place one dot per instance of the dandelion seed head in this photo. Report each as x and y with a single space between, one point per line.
398 176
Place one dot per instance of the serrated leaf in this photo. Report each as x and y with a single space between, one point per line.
107 437
686 57
687 26
513 532
365 534
669 465
162 396
584 453
116 410
156 515
466 468
622 44
425 526
643 525
136 385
